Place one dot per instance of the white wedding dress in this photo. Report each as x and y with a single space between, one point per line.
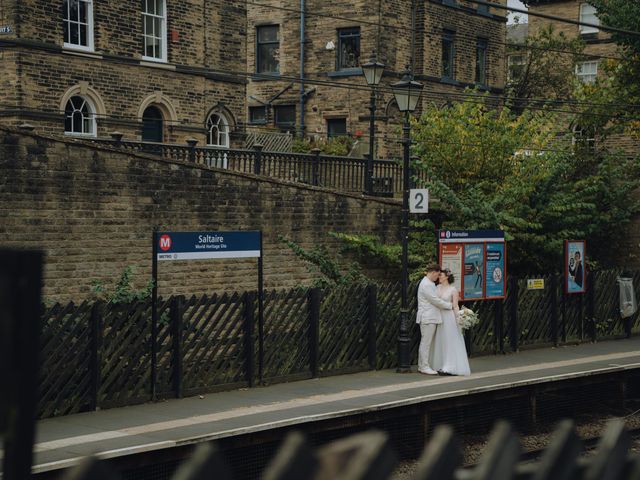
449 352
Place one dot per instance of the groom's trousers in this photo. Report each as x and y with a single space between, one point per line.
427 332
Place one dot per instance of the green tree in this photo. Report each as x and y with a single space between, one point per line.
491 168
548 71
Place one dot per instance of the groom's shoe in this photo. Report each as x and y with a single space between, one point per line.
428 371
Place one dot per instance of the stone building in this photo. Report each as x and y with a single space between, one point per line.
156 70
598 48
450 45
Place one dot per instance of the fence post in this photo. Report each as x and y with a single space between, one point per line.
249 321
372 321
591 305
315 167
553 286
314 329
192 142
498 344
257 161
513 327
177 304
97 313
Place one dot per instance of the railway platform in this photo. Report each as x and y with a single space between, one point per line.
158 430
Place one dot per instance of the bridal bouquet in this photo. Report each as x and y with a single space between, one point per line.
467 318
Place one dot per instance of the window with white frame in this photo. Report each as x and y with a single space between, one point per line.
587 72
154 30
79 117
588 14
218 130
78 24
584 139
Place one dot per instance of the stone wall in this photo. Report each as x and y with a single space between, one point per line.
92 210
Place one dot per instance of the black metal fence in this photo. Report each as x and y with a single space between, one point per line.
98 355
340 173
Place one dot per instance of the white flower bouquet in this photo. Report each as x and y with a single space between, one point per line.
467 318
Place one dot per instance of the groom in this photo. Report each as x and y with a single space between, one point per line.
429 316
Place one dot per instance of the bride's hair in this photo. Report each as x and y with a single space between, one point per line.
450 278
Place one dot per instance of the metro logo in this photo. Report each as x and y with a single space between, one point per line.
165 243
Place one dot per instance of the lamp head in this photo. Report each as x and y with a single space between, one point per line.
372 70
407 92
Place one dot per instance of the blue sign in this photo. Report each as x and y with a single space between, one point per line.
470 236
473 271
495 270
205 245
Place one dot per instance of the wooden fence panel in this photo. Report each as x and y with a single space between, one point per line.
286 335
164 363
535 313
343 343
65 380
126 354
608 322
481 338
213 342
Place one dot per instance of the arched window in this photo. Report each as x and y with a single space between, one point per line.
152 125
218 130
79 116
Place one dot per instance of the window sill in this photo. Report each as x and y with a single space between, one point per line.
449 81
146 62
265 76
80 135
347 72
81 52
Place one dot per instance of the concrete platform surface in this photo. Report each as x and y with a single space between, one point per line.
62 441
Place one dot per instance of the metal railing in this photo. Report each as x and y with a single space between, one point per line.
341 173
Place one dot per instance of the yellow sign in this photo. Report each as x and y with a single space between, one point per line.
535 284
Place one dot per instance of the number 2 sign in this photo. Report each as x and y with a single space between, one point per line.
419 200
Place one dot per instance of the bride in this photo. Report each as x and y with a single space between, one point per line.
449 351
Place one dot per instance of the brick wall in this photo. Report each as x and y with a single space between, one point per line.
93 210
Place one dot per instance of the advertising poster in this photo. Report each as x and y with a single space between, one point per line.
495 270
473 271
451 258
575 274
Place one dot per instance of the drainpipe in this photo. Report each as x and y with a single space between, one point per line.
301 134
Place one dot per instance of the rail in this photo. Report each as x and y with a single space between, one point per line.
340 173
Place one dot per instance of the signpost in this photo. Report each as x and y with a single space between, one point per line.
176 246
477 259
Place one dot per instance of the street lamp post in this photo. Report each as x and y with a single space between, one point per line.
372 71
406 92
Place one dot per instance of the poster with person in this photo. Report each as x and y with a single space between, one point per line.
575 275
473 271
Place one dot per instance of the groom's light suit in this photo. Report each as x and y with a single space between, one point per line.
429 316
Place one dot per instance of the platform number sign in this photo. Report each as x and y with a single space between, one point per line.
419 200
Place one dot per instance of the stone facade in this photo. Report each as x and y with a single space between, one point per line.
205 41
92 210
334 93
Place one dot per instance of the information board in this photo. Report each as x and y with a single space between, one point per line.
477 259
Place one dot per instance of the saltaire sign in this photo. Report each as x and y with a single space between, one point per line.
205 245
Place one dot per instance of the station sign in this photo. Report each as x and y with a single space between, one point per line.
207 245
477 259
